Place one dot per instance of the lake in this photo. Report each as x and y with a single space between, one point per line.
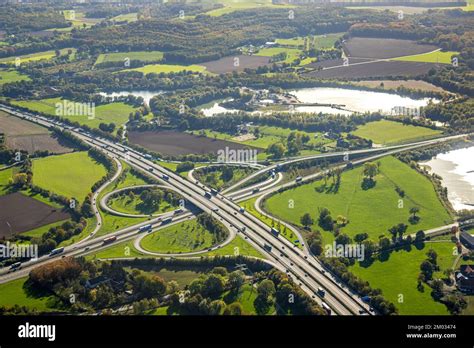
353 100
457 170
146 95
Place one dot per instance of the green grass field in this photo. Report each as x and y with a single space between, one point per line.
322 41
238 246
5 176
70 175
214 179
121 250
108 113
180 238
237 5
246 297
430 57
128 17
38 232
374 210
126 250
113 223
399 274
144 56
124 204
167 68
46 55
268 135
11 75
15 292
389 132
292 53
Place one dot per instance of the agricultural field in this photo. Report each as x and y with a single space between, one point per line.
56 173
321 41
397 274
128 17
78 21
116 113
369 69
27 136
291 53
167 69
46 55
387 132
143 56
176 143
11 75
393 85
269 135
237 5
21 213
184 237
237 63
373 210
378 57
438 57
377 48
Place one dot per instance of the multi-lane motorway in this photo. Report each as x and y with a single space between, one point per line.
298 264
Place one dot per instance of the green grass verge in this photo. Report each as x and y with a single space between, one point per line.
390 132
120 250
124 204
183 237
249 206
238 246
